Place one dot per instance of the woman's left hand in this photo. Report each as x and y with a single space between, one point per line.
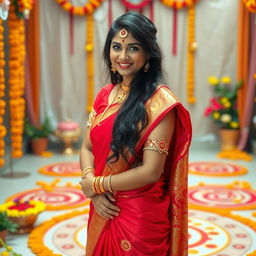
86 186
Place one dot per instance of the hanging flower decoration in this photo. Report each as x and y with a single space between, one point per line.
131 5
250 5
22 208
88 8
192 45
16 81
178 4
23 7
2 93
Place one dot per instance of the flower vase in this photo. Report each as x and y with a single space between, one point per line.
26 223
228 139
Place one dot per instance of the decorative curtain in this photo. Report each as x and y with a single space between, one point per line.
63 77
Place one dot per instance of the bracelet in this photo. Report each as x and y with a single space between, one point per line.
109 184
101 184
87 170
93 185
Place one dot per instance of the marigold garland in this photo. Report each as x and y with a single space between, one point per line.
16 81
235 154
23 8
178 4
250 5
89 62
191 56
36 237
88 8
130 5
2 94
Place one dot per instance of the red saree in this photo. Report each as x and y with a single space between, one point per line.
153 218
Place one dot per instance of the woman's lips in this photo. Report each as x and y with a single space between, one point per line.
124 65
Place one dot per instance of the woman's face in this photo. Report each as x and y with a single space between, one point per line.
127 56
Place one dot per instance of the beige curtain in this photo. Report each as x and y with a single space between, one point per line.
63 77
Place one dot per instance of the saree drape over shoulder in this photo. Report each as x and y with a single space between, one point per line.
153 218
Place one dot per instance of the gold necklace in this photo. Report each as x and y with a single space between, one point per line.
120 99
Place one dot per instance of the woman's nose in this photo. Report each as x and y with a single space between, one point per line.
123 55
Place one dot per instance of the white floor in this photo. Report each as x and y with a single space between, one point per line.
31 163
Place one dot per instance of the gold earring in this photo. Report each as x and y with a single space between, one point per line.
146 67
113 69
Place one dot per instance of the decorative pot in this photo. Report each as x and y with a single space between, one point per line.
39 145
3 236
228 139
26 223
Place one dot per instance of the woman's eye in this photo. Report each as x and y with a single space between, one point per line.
116 47
133 48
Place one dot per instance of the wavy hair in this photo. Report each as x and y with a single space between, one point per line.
132 117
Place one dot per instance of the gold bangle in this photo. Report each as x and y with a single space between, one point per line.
84 173
101 182
97 185
93 185
109 184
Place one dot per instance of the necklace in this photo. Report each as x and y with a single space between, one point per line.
119 99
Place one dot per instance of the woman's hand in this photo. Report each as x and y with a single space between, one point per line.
86 186
104 206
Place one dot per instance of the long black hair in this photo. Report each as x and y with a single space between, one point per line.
132 117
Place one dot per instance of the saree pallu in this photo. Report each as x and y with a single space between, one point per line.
153 218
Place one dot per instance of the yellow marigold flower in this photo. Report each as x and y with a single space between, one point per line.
5 253
223 100
9 248
213 80
227 104
226 80
225 118
216 115
234 125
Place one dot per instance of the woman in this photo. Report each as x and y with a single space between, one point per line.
134 154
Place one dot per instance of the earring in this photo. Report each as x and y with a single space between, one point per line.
146 67
113 69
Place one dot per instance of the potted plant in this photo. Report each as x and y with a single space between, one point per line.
223 110
38 135
23 213
6 225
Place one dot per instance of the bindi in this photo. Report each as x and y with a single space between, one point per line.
123 34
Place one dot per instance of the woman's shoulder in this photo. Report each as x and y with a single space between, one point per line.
164 93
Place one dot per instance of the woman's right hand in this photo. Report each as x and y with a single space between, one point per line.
104 206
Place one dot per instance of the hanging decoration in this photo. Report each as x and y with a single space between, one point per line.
178 4
250 5
131 5
90 64
88 10
23 8
110 14
16 81
139 6
192 45
2 94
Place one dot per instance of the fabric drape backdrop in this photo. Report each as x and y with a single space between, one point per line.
63 77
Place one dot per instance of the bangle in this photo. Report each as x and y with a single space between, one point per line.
93 185
87 170
109 184
101 183
97 185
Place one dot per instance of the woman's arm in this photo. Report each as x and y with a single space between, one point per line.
151 168
153 162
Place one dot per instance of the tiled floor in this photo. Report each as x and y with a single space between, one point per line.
31 163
